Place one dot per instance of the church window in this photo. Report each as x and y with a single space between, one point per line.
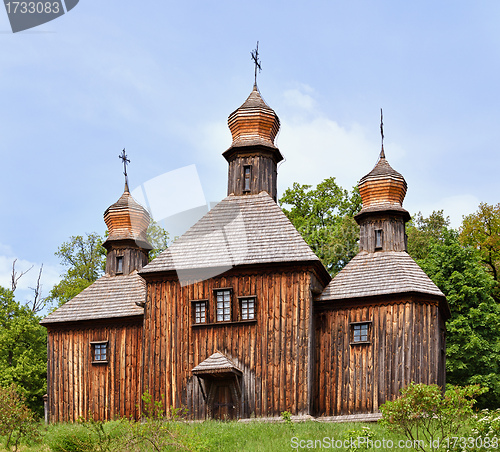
119 264
360 332
223 309
247 174
247 308
378 239
99 352
200 311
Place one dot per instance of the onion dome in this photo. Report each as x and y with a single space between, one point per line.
254 123
382 188
126 219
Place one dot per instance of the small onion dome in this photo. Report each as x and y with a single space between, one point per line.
254 123
382 189
126 219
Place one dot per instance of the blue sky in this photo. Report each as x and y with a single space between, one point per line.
160 79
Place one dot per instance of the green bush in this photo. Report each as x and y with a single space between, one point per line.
426 416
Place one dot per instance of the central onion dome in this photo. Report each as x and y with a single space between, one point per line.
254 123
126 219
382 189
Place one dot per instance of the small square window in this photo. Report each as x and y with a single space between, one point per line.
200 312
99 352
223 298
360 332
119 264
378 239
247 308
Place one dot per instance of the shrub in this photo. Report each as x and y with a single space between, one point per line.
426 416
17 421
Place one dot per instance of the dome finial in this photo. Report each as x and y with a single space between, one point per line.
382 153
255 58
125 160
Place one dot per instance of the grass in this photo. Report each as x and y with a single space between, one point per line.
205 436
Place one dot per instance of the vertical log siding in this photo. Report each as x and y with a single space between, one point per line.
78 388
405 346
273 352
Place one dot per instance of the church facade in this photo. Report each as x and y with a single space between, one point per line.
238 318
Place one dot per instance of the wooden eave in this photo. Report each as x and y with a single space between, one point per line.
91 324
385 300
247 150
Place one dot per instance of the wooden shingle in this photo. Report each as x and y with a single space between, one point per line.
108 297
379 273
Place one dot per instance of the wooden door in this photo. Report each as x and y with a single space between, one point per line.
224 407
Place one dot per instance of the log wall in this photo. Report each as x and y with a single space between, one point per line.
274 352
407 344
78 387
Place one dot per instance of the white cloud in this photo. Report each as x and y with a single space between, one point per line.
453 206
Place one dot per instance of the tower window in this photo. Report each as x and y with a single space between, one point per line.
223 298
378 239
247 174
119 264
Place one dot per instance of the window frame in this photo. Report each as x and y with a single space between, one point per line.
247 179
379 234
193 308
216 304
352 326
241 299
94 345
119 265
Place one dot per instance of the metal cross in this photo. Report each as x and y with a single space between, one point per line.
255 58
382 153
125 160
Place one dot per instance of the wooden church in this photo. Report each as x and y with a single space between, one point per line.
239 318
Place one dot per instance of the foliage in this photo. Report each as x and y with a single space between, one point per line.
158 238
485 430
85 259
87 436
473 333
324 216
481 230
159 432
424 414
23 351
358 438
16 420
424 232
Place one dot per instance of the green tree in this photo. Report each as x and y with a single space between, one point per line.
481 230
85 260
473 333
324 216
158 238
23 350
423 232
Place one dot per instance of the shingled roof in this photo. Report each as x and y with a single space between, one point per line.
108 297
216 363
380 273
248 229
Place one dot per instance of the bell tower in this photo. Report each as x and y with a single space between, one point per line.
127 245
382 218
253 156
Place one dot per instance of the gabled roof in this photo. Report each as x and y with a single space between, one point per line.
240 230
108 297
216 364
380 273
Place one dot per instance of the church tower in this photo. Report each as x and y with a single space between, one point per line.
253 156
127 244
382 218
